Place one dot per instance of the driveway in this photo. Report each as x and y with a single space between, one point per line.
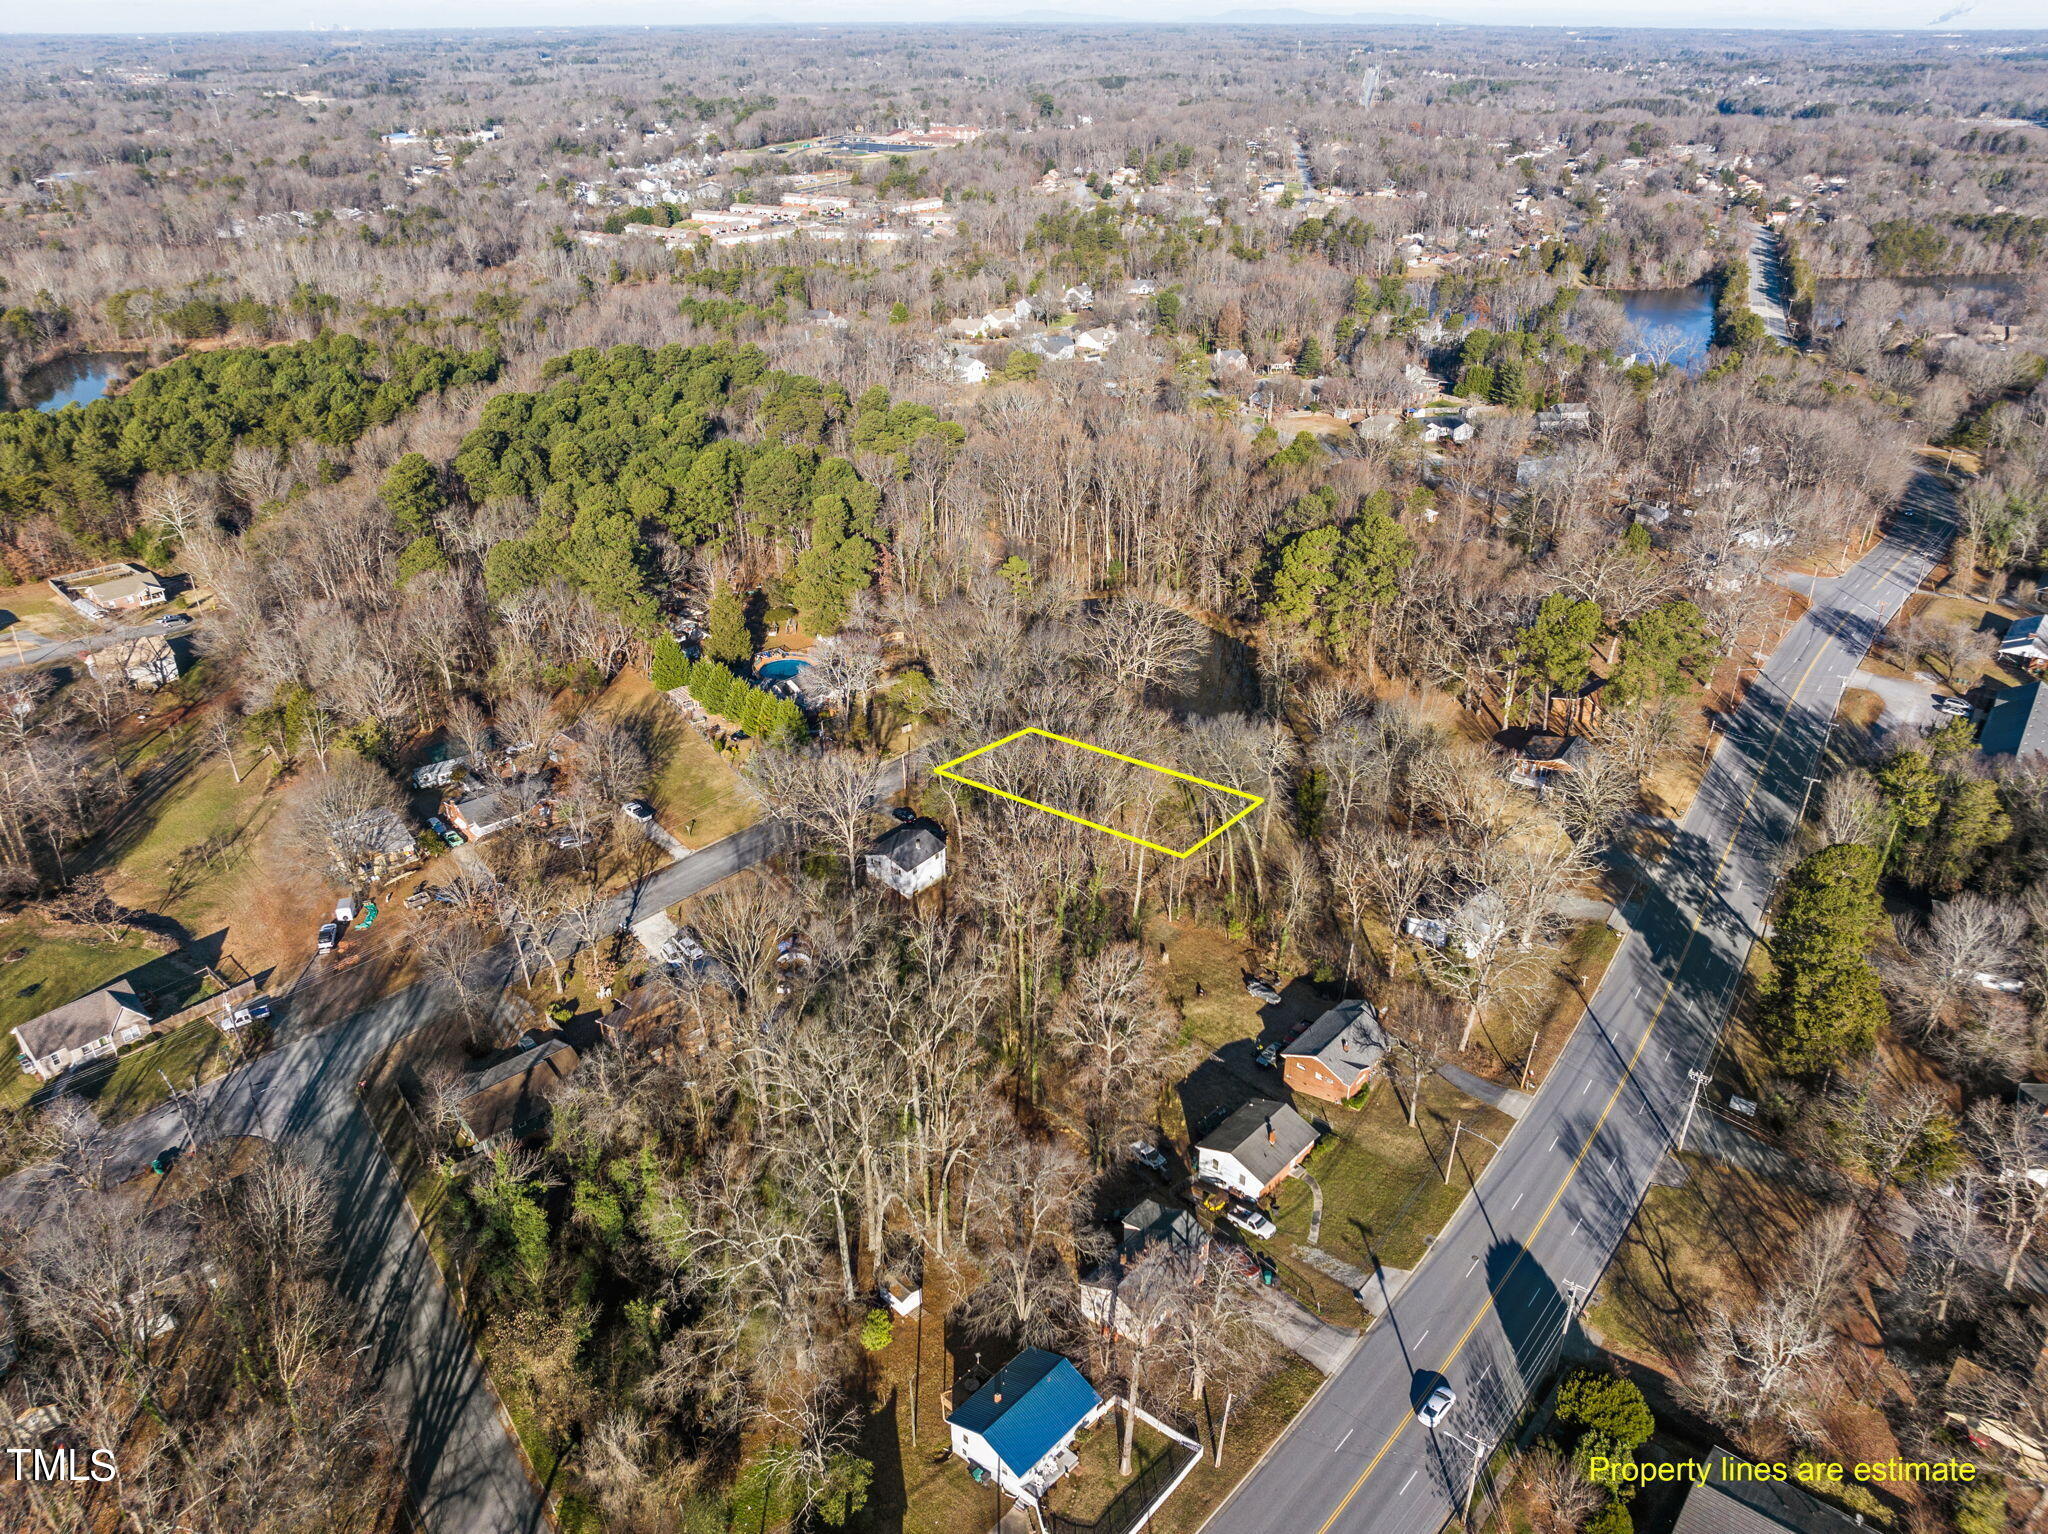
1908 704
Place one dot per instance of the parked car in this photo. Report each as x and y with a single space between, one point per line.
330 935
1269 1054
1147 1154
1959 707
638 809
174 620
418 899
1253 1222
1263 990
574 839
446 832
684 949
1437 1407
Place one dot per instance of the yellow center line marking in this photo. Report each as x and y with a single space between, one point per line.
945 770
1627 1074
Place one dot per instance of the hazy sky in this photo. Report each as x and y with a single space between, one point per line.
159 16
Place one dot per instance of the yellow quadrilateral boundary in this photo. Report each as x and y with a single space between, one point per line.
1253 801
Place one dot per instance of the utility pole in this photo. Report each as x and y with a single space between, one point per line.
1224 1430
1457 1128
1699 1080
1478 1449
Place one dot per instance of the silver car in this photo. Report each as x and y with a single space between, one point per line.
1437 1407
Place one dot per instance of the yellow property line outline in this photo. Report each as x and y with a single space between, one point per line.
945 770
1627 1075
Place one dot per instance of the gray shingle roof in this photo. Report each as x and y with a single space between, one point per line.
1347 1038
1727 1506
2018 725
910 846
95 1015
1263 1135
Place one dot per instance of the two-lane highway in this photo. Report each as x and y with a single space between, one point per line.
1489 1306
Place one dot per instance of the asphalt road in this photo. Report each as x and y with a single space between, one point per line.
466 1473
13 655
1488 1308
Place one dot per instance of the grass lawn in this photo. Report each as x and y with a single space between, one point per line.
696 792
35 607
1204 976
1719 1235
200 835
144 1077
54 970
1255 1421
918 1488
1084 1493
1383 1187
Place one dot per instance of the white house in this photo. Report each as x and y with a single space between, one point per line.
97 1023
2026 642
1255 1149
148 662
910 859
1019 1427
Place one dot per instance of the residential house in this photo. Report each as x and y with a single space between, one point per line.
1254 1150
1336 1055
1734 1498
2017 725
97 1023
508 1101
910 859
1477 924
481 809
105 590
1557 418
1544 759
1019 1427
1106 1293
1079 296
2026 643
147 663
377 844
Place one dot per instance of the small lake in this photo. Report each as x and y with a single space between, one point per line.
77 380
1680 320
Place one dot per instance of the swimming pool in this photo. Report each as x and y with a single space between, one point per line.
776 670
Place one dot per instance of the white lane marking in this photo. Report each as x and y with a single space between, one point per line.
1404 1485
1587 1087
1423 1338
1344 1440
1518 1199
1534 1298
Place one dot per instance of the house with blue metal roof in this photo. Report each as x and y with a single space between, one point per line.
1020 1426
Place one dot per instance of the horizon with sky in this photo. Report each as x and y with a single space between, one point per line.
130 18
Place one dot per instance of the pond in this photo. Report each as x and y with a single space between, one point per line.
1676 324
74 380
